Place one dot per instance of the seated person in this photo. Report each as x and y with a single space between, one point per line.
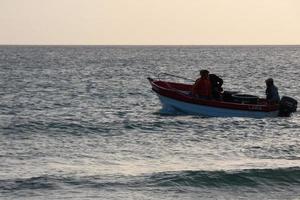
216 85
272 92
202 86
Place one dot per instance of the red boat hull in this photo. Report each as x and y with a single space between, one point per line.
180 93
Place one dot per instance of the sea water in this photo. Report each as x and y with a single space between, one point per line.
81 122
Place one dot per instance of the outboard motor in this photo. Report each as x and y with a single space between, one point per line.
287 105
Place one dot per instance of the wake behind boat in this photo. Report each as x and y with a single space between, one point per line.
178 96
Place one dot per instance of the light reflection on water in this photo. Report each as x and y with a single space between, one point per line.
89 112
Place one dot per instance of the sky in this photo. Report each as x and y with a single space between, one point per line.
150 22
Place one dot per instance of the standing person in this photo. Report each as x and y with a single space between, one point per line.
216 85
202 86
272 92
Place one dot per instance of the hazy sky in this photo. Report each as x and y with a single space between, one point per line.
150 22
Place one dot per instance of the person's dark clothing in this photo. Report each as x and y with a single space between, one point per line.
272 94
216 85
215 80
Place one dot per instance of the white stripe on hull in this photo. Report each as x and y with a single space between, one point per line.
203 110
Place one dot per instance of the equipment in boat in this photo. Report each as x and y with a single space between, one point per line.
287 105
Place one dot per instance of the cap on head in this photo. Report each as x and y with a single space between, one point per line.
269 81
204 72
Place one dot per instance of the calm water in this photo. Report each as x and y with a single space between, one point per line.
82 123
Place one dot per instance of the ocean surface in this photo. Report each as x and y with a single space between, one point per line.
81 122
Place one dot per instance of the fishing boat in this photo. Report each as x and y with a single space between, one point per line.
177 96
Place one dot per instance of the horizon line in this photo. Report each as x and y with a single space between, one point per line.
149 44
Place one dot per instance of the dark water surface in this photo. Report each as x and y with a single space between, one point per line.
82 123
